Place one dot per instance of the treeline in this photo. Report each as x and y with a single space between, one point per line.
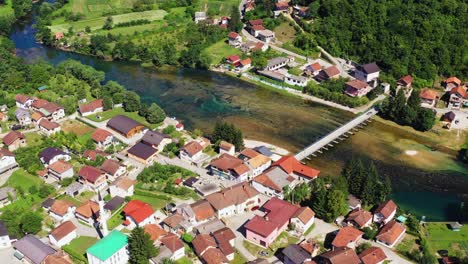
415 37
408 113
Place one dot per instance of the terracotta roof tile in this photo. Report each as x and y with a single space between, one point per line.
172 242
100 135
345 236
202 242
138 210
359 216
202 210
60 166
124 183
386 208
291 165
304 214
260 226
91 106
234 195
192 148
88 209
63 230
391 232
110 166
90 173
155 231
49 125
60 207
373 255
428 94
12 136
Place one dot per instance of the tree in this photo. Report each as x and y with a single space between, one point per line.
155 114
235 24
44 191
369 233
140 247
228 132
425 119
88 29
21 7
362 247
107 102
31 223
108 24
131 101
336 204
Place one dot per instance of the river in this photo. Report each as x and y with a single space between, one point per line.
426 184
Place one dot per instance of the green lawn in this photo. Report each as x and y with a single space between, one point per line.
220 50
238 259
98 22
115 220
184 260
285 32
309 230
131 30
120 111
217 7
156 203
282 241
21 178
69 199
77 247
34 139
441 237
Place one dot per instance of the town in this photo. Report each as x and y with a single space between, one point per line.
95 172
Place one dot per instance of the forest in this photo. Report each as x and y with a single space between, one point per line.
423 38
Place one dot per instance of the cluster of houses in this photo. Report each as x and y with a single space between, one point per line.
222 22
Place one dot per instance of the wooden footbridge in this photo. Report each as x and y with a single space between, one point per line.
335 136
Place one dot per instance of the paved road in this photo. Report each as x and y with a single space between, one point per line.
324 141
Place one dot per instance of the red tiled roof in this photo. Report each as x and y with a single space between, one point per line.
331 71
342 256
290 164
172 242
258 27
36 116
100 135
260 226
88 209
233 35
357 84
90 173
39 103
91 106
458 90
202 242
226 162
214 256
256 22
263 179
49 125
279 211
386 208
60 166
428 94
138 210
110 166
224 234
155 231
391 232
249 153
345 236
21 98
11 137
304 214
246 62
124 183
192 148
92 154
52 107
406 80
454 80
315 66
360 217
233 58
60 207
63 230
202 210
372 255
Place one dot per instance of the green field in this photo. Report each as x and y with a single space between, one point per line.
220 50
439 236
156 203
217 7
77 247
97 22
21 178
95 8
120 111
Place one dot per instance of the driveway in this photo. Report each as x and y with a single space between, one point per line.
84 230
6 255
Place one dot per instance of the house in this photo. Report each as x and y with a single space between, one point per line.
448 118
38 104
339 256
359 218
53 111
230 168
112 249
31 249
93 178
368 73
102 138
266 35
252 46
313 69
47 203
171 247
249 6
125 126
385 212
293 167
281 8
93 154
14 140
113 169
276 63
59 35
234 200
347 237
74 189
179 127
192 153
62 210
247 154
264 230
23 101
138 213
353 202
303 219
155 232
5 240
209 227
301 11
295 254
200 16
292 79
451 82
174 223
311 246
234 39
23 116
373 255
49 127
7 161
60 257
113 204
60 170
91 108
357 88
156 140
273 181
63 234
233 60
216 248
391 234
226 147
122 187
202 211
3 117
50 155
142 153
458 97
405 83
328 73
244 65
428 97
36 117
255 27
88 212
258 165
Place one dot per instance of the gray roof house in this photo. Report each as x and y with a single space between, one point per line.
295 254
33 249
74 189
23 116
154 138
49 153
264 151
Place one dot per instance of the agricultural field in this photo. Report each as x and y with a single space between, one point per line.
285 32
440 237
217 7
98 22
220 50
